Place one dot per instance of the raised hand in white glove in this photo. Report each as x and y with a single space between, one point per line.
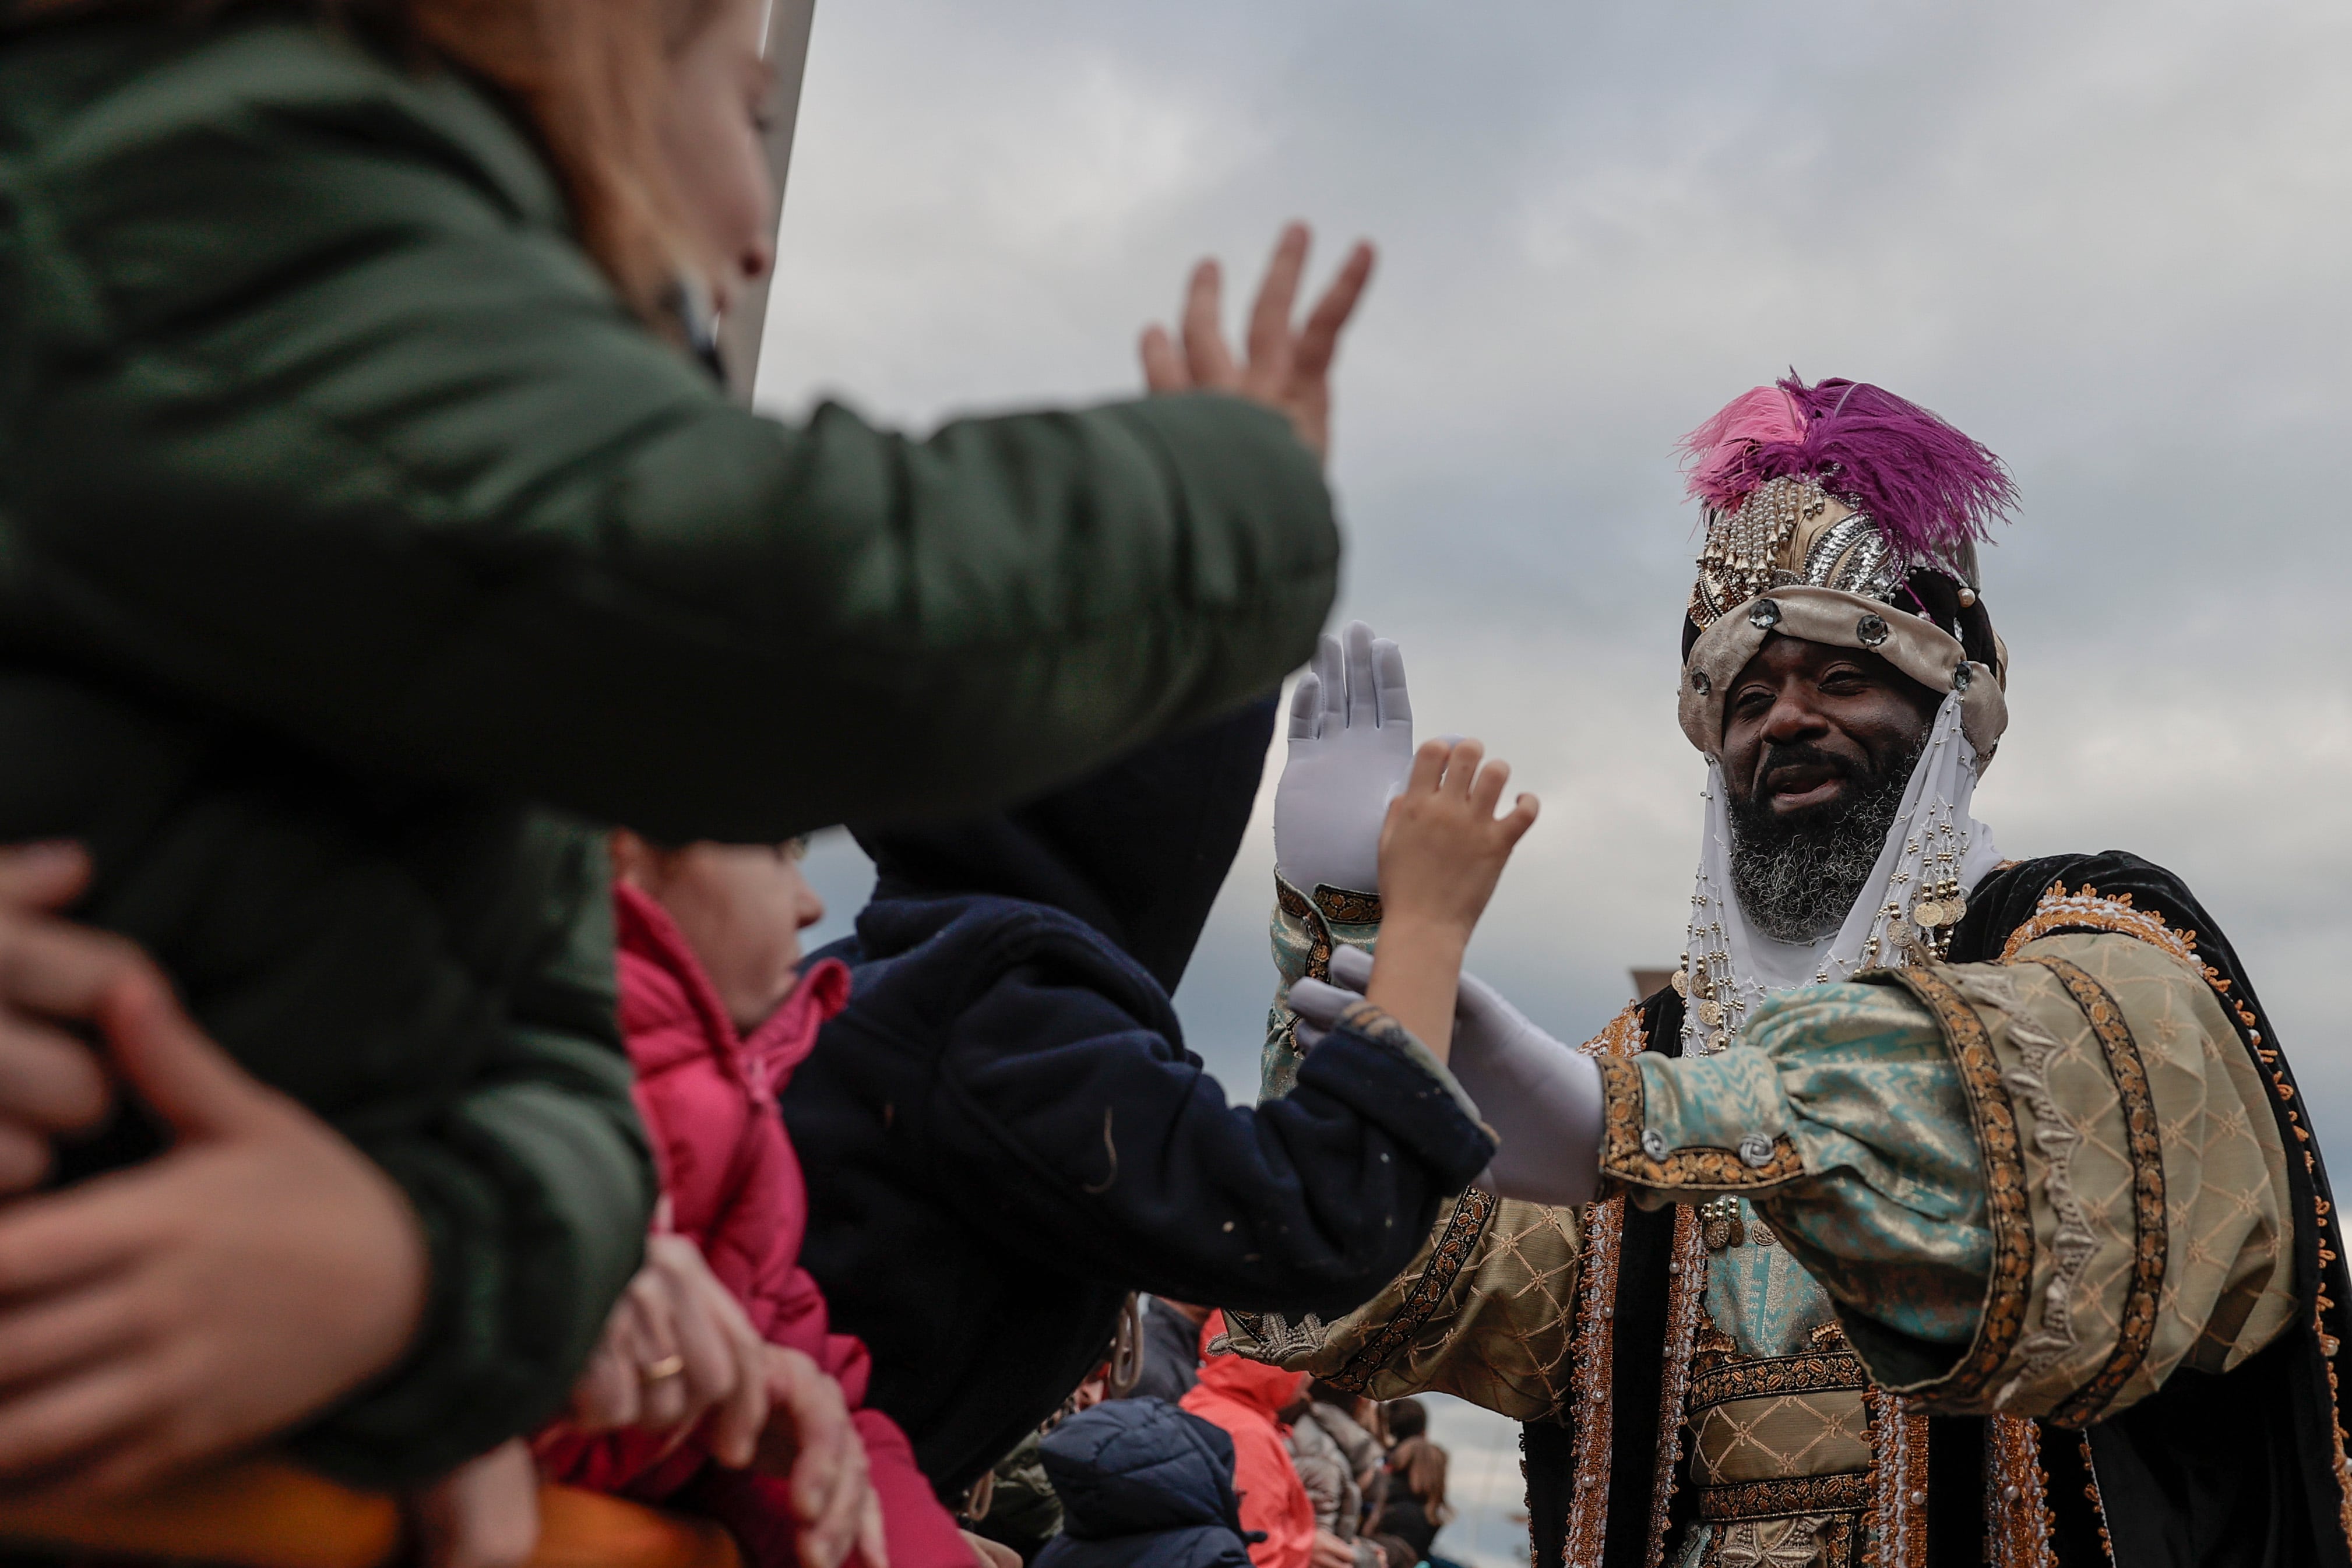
1350 750
1541 1097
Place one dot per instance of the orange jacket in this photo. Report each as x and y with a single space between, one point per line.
1245 1397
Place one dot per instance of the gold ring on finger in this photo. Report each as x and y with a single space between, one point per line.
668 1367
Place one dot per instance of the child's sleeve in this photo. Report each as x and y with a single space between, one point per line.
1086 1129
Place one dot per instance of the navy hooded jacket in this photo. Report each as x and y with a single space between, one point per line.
1144 1485
1003 1134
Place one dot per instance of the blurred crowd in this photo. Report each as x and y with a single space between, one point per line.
1183 1454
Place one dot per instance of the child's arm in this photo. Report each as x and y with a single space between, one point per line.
1442 850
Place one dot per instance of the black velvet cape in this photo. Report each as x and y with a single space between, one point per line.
2227 1471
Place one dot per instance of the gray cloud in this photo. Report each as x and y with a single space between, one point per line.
2108 240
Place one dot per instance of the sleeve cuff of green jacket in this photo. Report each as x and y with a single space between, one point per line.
509 1322
1677 1127
1376 1067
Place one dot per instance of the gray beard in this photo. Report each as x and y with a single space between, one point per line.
1797 877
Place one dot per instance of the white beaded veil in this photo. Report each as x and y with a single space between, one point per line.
1934 854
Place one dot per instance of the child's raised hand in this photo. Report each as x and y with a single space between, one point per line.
1442 850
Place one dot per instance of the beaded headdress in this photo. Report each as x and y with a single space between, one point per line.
1841 513
1839 485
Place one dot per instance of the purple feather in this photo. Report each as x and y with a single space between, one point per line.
1930 489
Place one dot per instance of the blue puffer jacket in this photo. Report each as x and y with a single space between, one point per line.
1144 1485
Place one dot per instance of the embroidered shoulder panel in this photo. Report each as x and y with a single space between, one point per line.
2085 909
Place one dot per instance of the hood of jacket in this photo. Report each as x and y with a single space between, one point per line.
1135 1466
1137 851
673 1018
1267 1389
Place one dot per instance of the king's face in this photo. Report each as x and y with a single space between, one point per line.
1806 724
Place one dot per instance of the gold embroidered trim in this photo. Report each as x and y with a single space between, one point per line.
2058 910
1622 1035
2006 1199
2018 1522
1345 907
1593 1349
1293 902
2071 1241
2098 1500
2150 1232
1454 1245
1898 1482
1595 1365
1776 1374
1624 1161
1685 1291
1847 1492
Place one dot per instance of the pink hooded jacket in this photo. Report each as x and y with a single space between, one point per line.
734 1189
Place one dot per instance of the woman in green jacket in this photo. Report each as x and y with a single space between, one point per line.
364 534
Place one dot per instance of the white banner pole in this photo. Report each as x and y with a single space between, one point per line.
786 49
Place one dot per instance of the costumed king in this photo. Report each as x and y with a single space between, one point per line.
1944 1210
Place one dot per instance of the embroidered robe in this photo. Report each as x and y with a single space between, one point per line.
2026 1258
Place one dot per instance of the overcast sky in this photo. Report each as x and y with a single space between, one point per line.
2111 241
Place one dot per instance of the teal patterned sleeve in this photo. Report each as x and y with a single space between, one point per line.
1843 1119
1303 930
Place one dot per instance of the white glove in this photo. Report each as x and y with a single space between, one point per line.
1350 750
1542 1098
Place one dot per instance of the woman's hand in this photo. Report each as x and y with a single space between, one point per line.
1289 369
213 1296
810 1439
678 1348
51 973
1442 849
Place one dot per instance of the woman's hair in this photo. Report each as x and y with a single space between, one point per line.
1420 1465
586 74
1406 1418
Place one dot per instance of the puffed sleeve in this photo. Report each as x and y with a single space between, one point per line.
1486 1310
2036 1187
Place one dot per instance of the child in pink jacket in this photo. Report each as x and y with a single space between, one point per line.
717 1014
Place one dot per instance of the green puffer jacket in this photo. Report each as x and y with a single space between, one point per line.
357 549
